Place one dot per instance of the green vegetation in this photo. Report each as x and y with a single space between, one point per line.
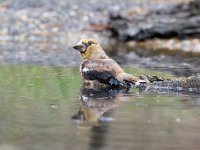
32 96
39 83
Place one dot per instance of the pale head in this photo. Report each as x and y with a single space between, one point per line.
89 48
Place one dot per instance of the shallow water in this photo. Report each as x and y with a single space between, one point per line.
47 108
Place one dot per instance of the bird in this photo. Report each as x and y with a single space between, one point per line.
97 67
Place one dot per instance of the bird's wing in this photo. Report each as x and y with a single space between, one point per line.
102 70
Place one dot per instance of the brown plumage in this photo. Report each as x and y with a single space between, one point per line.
100 68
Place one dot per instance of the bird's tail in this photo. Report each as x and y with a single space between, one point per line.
140 83
130 80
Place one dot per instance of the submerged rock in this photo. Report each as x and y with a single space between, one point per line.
187 85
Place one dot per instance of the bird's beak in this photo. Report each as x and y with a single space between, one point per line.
80 46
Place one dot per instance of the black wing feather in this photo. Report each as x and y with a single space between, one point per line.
103 77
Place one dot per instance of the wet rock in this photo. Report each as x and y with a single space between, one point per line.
181 21
189 85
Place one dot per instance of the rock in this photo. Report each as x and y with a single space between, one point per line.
189 85
181 21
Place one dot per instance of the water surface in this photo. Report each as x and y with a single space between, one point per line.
47 108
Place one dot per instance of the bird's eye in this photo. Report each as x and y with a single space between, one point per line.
89 42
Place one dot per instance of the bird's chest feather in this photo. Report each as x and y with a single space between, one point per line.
96 71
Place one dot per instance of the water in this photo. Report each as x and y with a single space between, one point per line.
47 108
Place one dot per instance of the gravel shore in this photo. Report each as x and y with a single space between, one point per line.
43 32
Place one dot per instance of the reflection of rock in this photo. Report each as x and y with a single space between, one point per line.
95 102
185 88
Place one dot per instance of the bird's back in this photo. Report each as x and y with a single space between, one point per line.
102 70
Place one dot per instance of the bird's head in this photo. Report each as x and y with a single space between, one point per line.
89 49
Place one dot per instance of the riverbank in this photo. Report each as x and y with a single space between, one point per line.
43 32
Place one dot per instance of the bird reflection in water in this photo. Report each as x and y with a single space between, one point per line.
97 103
